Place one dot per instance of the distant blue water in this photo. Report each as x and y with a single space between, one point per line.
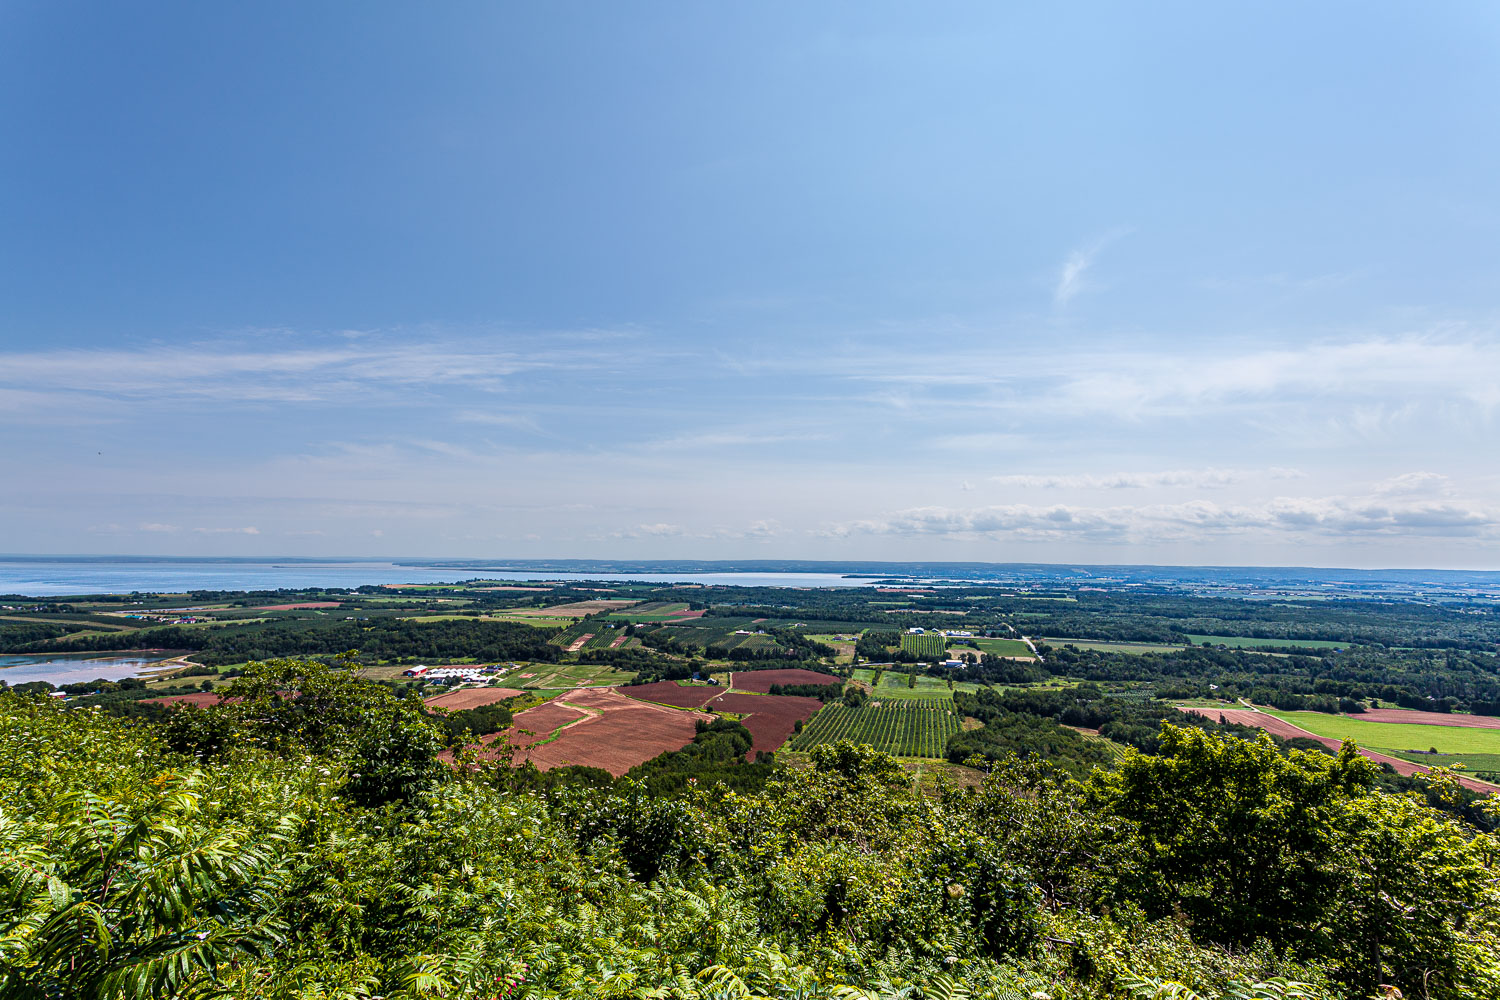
47 578
70 668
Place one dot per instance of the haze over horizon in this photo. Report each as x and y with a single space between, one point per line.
1203 286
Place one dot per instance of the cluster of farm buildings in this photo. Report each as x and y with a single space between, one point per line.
462 674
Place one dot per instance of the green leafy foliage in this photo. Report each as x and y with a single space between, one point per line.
170 859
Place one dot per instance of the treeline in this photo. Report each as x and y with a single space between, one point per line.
1139 615
1132 722
822 692
1423 679
392 639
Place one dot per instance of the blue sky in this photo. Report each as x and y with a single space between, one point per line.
1176 283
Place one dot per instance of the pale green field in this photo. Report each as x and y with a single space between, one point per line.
1115 647
897 687
565 675
1249 642
1003 647
1396 735
845 647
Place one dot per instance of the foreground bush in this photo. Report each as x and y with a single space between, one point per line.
133 865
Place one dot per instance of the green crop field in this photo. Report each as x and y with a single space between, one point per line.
1003 647
925 645
1250 642
569 635
904 728
1114 748
605 637
1397 736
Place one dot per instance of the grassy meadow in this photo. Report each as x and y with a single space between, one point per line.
1396 736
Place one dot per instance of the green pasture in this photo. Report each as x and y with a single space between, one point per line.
896 686
1003 647
844 648
537 621
1115 647
1475 764
1396 736
564 676
1250 642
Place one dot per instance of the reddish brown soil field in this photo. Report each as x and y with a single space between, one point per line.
580 608
1260 720
197 698
456 701
771 718
683 616
544 720
623 733
761 680
580 642
298 607
1429 718
668 693
1286 730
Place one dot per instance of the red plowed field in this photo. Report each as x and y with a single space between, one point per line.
543 721
455 701
771 718
1284 729
197 698
1429 718
668 693
1260 720
622 734
761 680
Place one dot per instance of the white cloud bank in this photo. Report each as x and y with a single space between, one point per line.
1180 478
1332 516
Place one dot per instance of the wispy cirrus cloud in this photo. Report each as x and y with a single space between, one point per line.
1355 386
276 372
1071 277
